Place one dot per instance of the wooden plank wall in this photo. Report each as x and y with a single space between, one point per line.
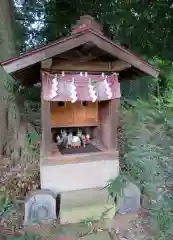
73 114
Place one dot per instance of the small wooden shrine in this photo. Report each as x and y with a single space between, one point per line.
80 79
82 107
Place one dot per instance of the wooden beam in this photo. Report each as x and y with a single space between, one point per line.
47 63
46 52
90 124
78 56
72 42
91 66
117 51
83 58
119 66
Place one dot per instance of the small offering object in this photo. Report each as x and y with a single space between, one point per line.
76 142
79 133
58 139
85 139
69 140
88 137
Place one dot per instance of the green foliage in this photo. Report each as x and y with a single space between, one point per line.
146 137
44 21
139 88
146 158
122 21
25 237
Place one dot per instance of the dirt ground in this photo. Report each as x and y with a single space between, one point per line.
121 227
128 226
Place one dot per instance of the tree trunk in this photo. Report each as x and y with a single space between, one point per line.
8 50
7 25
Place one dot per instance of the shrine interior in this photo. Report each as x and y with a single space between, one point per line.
61 136
81 120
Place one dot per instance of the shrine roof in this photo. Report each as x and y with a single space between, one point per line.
86 32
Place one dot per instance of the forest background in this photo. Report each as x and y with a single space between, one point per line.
143 26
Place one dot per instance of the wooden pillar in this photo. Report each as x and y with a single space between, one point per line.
46 128
108 116
113 123
45 115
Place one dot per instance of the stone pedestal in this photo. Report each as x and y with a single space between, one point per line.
86 206
129 201
40 205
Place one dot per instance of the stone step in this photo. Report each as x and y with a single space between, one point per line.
89 204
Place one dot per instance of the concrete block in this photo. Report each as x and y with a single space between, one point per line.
86 206
78 176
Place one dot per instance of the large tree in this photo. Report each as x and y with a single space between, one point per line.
7 29
14 105
8 49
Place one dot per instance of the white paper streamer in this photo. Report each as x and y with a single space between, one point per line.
108 89
73 92
92 92
54 87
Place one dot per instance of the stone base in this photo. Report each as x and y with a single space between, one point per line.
64 174
86 206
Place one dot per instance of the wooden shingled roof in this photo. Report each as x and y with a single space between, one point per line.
87 33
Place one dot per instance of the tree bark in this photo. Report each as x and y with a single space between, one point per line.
8 49
7 25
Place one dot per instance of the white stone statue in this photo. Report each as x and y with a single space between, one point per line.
69 140
84 140
64 138
88 137
76 142
59 140
79 134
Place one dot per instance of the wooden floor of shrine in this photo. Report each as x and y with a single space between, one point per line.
102 154
89 148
